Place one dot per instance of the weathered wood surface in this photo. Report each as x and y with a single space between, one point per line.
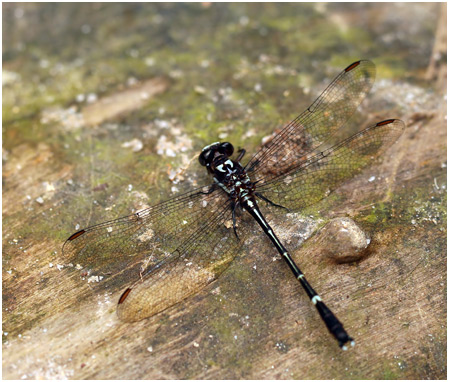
65 163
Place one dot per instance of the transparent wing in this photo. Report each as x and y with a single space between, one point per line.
184 243
155 231
315 178
315 125
197 262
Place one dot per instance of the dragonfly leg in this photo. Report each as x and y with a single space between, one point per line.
259 195
211 189
242 153
233 207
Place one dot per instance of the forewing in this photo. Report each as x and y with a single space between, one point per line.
315 125
149 235
316 177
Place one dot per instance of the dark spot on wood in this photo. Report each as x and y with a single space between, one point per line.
101 187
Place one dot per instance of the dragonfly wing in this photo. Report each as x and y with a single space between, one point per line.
316 177
195 264
315 125
184 244
151 234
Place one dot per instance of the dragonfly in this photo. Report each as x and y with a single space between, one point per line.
188 241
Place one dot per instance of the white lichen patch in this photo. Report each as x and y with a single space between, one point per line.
135 145
94 279
146 236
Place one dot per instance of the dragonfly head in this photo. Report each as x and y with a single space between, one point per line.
214 151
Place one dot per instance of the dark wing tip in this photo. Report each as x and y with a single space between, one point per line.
352 66
124 296
70 239
76 234
386 122
397 124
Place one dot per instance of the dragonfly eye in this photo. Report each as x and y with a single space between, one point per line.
226 148
204 157
207 154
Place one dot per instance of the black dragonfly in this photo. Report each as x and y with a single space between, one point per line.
189 240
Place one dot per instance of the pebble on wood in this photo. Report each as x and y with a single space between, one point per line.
343 240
